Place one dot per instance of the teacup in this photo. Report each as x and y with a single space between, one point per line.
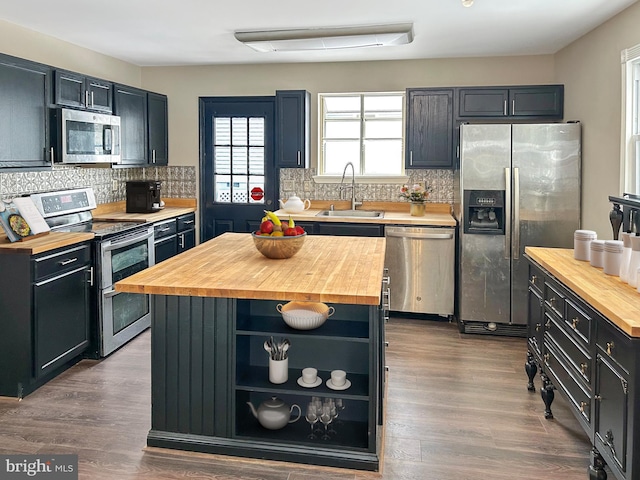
309 375
338 378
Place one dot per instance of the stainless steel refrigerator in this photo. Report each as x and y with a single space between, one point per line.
517 185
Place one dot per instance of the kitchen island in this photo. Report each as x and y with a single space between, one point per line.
213 308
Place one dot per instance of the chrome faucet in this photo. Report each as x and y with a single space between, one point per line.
354 204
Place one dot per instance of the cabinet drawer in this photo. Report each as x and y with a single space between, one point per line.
578 321
615 345
554 298
185 222
576 357
536 278
164 229
60 261
578 396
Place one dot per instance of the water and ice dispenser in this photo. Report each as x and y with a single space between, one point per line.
484 212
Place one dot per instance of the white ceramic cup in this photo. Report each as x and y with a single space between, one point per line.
309 375
338 377
278 370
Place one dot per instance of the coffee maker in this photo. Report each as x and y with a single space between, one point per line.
143 196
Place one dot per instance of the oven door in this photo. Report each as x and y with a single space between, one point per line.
122 317
122 256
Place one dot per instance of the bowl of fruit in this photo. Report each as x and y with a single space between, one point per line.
277 239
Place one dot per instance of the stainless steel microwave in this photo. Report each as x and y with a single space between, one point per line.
84 137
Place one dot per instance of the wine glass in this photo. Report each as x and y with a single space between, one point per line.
339 408
326 418
312 417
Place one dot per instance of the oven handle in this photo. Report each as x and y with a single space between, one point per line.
129 241
110 293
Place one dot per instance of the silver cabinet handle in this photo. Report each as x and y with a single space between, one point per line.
181 235
86 98
153 156
504 108
513 107
299 158
411 157
67 261
92 104
188 222
91 271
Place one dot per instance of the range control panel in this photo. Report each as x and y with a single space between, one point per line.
51 204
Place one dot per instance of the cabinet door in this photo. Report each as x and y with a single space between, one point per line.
131 105
99 95
536 321
24 101
69 90
429 133
612 411
165 248
61 319
158 129
544 101
292 128
186 240
483 102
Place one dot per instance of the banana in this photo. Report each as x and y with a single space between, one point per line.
273 217
291 223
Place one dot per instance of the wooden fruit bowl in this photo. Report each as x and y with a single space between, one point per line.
278 247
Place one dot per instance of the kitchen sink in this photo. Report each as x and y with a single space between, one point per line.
350 213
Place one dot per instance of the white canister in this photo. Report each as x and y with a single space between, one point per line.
581 244
612 257
597 253
634 261
626 257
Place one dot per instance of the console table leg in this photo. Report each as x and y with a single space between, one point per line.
596 469
531 368
546 392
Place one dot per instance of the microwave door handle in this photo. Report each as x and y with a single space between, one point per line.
107 138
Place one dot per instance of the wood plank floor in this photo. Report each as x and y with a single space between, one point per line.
457 409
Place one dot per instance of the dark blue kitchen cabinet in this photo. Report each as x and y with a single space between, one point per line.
174 236
24 101
293 117
429 128
130 104
45 307
349 229
541 101
79 91
158 133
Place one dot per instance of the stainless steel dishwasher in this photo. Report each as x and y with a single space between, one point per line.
421 269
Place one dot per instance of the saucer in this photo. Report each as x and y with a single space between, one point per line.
309 385
346 385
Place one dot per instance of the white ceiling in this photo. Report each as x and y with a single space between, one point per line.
188 32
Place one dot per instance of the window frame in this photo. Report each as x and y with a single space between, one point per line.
321 176
630 138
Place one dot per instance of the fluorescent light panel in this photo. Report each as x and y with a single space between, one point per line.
327 38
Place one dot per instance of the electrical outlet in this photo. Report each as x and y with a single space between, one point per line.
114 185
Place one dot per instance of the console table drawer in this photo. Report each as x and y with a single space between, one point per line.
536 278
575 356
615 345
578 396
578 321
554 298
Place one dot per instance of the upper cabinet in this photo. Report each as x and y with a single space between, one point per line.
527 102
78 91
143 126
24 102
429 128
158 131
292 128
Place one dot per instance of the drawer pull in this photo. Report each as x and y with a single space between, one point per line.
161 230
533 279
546 357
574 322
548 324
583 368
610 346
538 327
583 406
188 222
62 263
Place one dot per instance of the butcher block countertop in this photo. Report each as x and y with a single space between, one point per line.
43 243
327 269
613 298
436 215
116 211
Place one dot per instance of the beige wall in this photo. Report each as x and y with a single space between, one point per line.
590 68
23 43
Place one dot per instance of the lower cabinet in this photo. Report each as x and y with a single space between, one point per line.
174 236
48 296
593 365
212 390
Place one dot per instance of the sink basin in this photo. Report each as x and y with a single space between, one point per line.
350 213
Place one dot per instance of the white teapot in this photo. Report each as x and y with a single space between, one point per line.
295 205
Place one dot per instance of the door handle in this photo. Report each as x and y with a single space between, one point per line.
516 213
507 227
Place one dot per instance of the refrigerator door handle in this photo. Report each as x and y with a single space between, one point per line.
516 213
507 227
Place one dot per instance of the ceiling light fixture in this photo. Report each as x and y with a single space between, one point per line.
327 38
467 3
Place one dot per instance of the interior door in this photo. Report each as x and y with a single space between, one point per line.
238 174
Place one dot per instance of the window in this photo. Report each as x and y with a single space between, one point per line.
365 129
631 120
